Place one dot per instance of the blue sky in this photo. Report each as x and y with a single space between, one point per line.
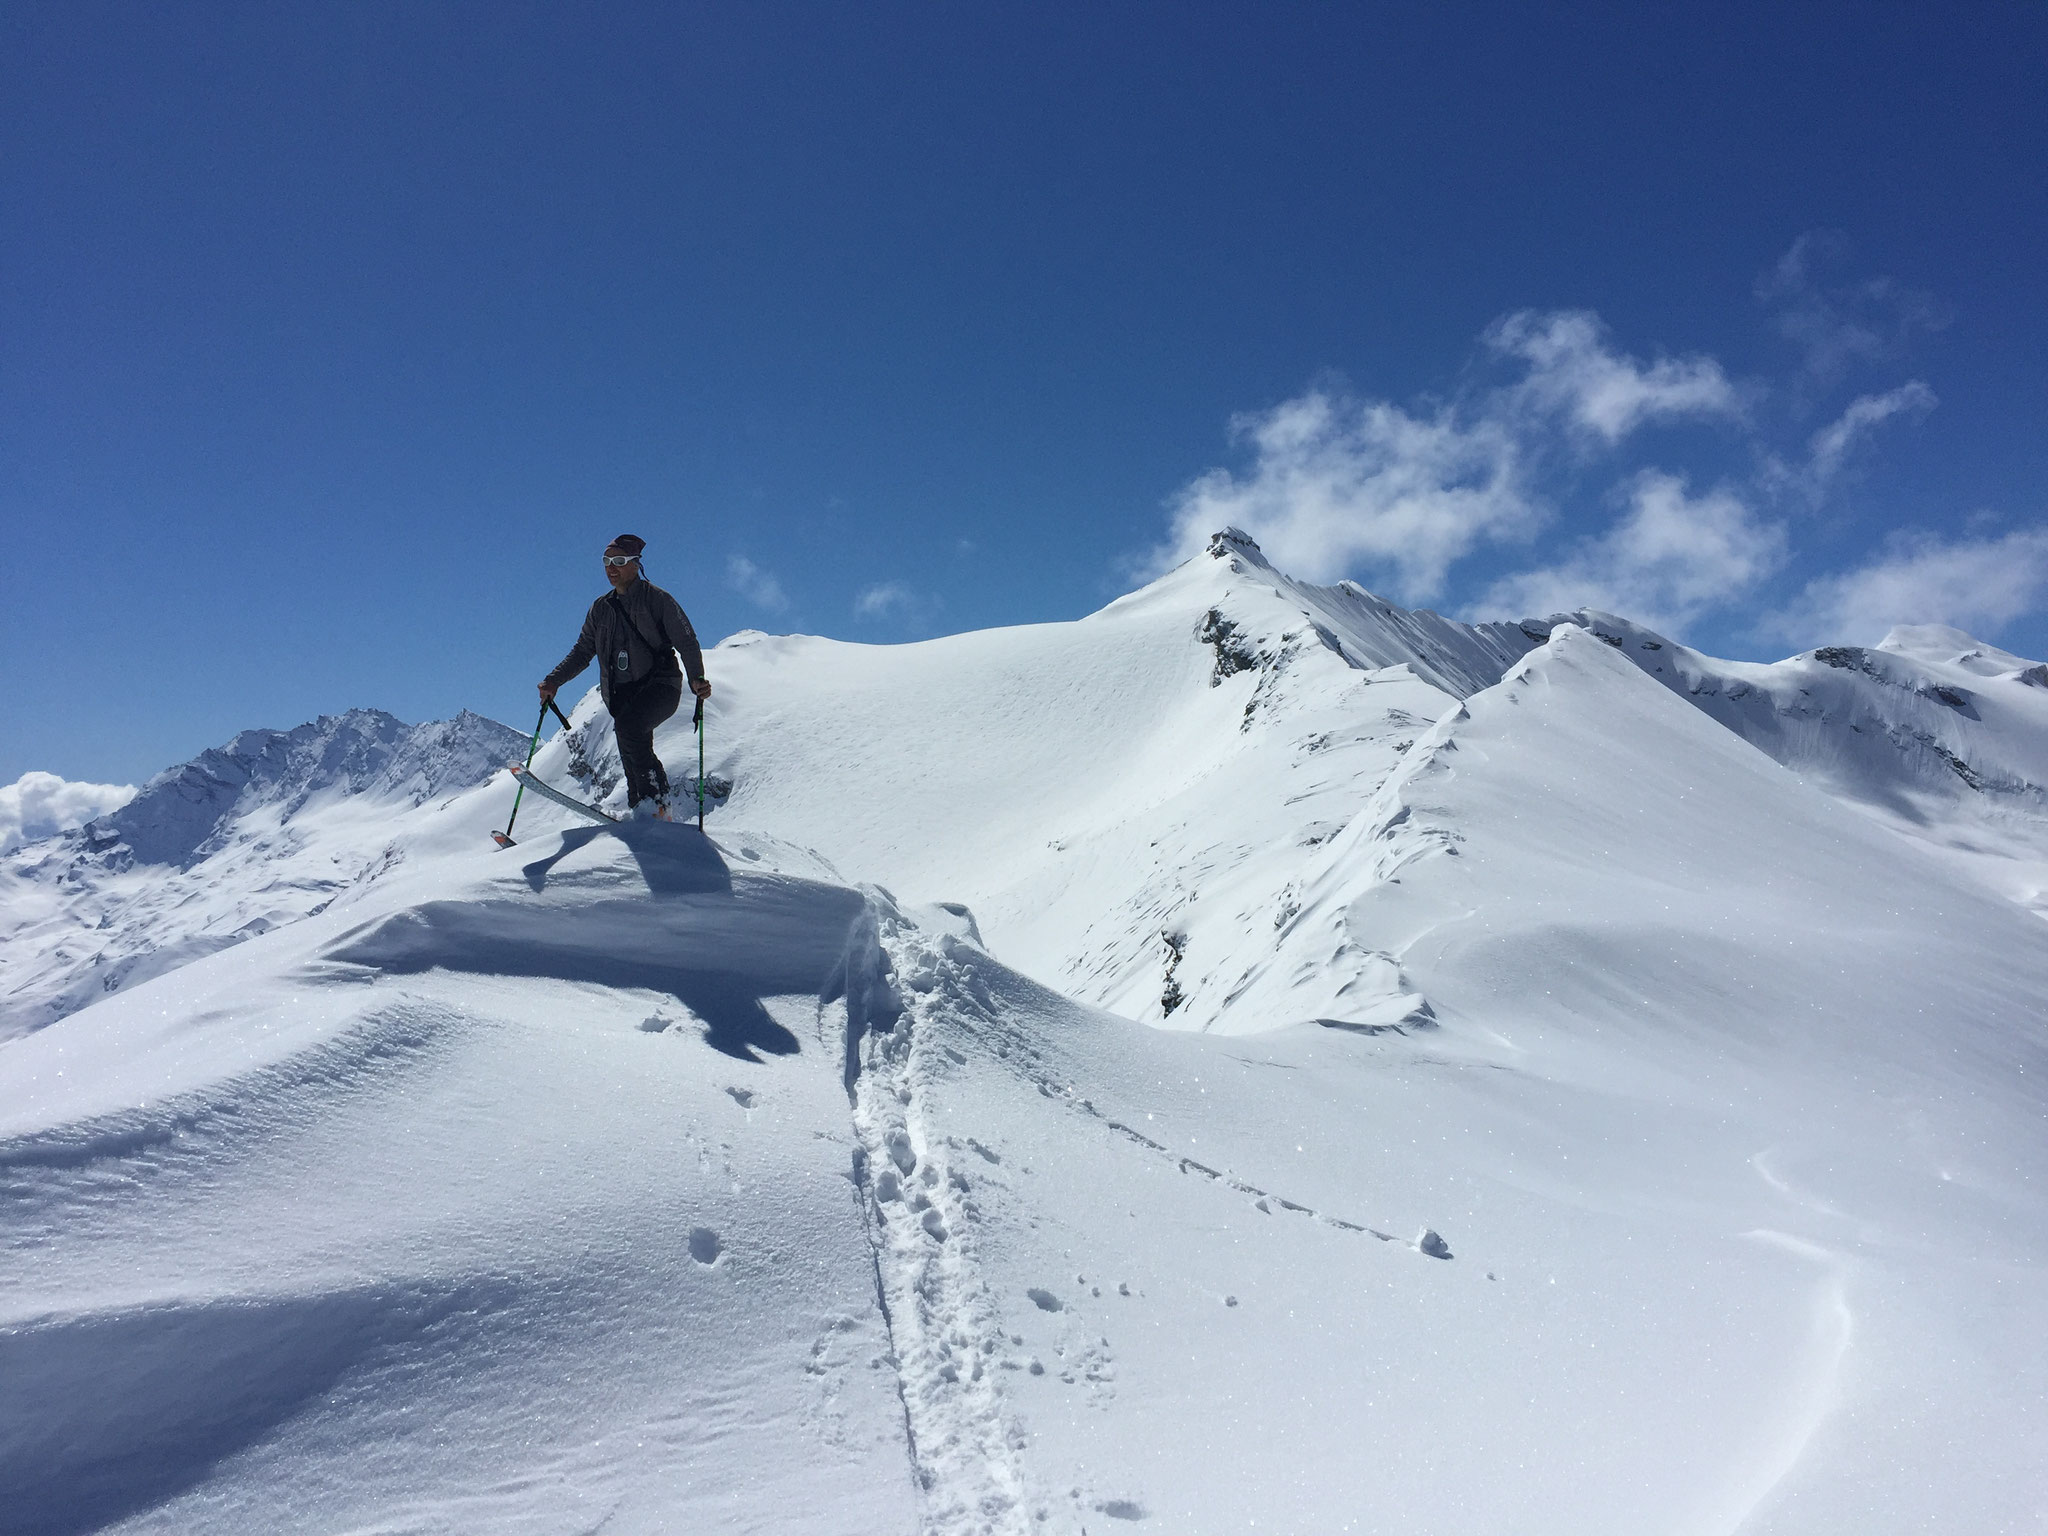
337 340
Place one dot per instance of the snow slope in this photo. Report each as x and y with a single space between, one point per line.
441 1214
1942 738
1747 1232
1571 1120
1134 804
1156 775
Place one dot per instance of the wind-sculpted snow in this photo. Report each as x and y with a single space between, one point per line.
716 946
236 842
416 1216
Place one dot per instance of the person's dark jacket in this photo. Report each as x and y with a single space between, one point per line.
607 635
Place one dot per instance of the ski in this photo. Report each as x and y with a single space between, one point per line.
566 802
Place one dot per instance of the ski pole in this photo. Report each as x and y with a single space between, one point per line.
699 722
505 837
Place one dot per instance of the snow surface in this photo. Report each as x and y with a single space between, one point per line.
1571 1119
1937 735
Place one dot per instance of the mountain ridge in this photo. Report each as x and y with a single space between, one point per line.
243 838
1940 737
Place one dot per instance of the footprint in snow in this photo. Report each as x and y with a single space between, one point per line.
1122 1509
1044 1300
704 1246
744 1097
900 1151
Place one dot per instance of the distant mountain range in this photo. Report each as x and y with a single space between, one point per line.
262 831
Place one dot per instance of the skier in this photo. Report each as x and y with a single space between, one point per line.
637 630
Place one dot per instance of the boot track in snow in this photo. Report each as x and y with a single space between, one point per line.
944 1328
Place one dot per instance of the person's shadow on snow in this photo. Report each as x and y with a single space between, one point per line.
674 860
682 861
734 1020
676 938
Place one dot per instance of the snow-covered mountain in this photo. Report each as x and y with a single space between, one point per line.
1567 1116
1130 804
242 838
1941 737
1134 805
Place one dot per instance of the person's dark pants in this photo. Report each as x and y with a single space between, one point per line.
636 710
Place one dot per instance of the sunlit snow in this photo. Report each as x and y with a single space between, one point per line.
1252 1059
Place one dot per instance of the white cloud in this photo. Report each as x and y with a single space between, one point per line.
1974 584
755 584
1336 483
1839 326
1398 495
1339 485
1831 444
884 598
1573 372
38 805
1668 559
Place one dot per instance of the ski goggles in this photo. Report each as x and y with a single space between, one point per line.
620 559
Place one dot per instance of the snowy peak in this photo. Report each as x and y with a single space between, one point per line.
1938 733
444 756
1256 612
243 839
1937 645
179 816
1133 804
1930 711
1235 541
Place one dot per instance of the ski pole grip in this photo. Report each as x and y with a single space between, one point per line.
698 718
558 714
